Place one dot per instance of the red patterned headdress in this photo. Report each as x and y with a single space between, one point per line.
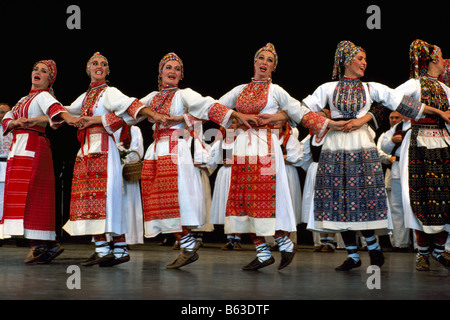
270 48
96 55
169 57
51 65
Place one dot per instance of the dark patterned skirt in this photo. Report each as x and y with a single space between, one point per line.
428 175
350 193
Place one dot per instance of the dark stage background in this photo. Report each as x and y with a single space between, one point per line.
216 41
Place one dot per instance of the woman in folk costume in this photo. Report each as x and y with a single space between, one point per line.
96 200
29 208
129 139
171 186
350 192
425 157
259 201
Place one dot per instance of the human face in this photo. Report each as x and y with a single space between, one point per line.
98 69
171 73
395 118
356 68
264 65
4 109
40 77
437 68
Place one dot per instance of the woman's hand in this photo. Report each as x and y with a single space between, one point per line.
265 119
174 120
86 122
246 119
18 123
70 120
445 115
356 124
337 125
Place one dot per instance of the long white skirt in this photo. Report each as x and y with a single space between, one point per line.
220 195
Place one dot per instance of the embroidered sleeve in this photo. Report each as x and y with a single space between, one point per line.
411 108
316 124
112 123
54 114
134 108
220 114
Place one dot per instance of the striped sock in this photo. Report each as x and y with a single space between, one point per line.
372 243
263 252
187 242
438 250
424 251
285 243
353 252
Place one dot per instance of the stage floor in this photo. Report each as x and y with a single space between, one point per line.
217 275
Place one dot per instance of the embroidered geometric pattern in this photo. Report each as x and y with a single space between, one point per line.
113 122
253 97
409 107
350 187
314 122
94 93
349 97
88 199
162 102
253 189
20 110
160 189
429 181
429 169
217 113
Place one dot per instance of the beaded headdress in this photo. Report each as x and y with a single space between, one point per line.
51 65
346 52
270 48
169 57
96 55
420 55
